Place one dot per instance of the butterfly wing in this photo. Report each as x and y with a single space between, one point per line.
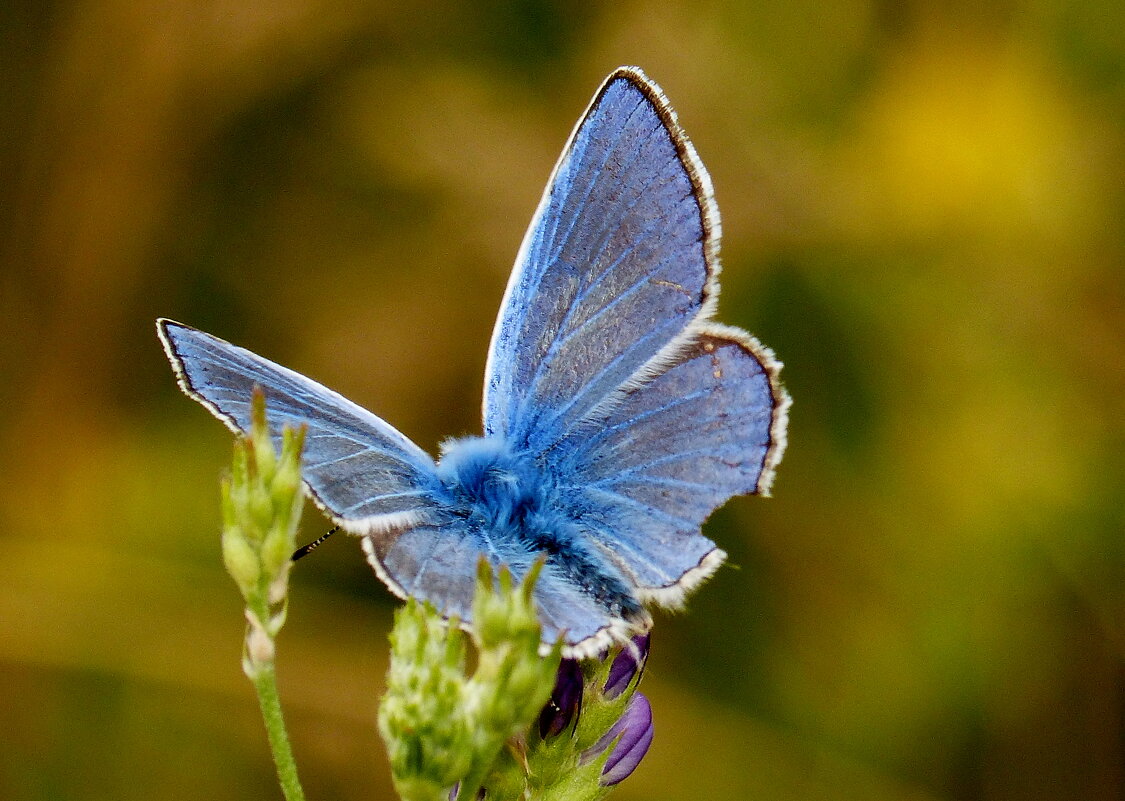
364 473
439 563
644 479
373 481
603 362
619 259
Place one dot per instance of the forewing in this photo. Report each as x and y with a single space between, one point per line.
643 478
363 472
619 259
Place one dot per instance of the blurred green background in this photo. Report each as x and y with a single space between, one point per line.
923 207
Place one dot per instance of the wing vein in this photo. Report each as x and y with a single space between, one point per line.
610 149
651 510
559 341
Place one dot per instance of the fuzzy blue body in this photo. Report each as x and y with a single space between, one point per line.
516 509
616 415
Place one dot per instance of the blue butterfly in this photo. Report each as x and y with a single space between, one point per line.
617 415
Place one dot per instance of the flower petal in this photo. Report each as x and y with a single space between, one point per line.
637 731
627 665
565 700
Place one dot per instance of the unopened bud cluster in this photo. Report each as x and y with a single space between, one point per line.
429 739
445 730
523 725
261 504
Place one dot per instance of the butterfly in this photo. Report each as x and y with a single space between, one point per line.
617 414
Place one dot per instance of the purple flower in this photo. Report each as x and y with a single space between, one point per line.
565 701
627 665
635 729
630 735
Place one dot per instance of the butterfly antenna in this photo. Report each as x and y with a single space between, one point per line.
305 550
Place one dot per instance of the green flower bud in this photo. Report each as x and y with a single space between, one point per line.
240 559
265 458
512 682
261 509
466 732
502 612
422 718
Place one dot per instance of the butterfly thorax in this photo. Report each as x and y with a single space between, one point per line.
489 484
505 496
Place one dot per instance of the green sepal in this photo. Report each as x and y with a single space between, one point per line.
558 768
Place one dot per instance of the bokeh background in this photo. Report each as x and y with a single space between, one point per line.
923 207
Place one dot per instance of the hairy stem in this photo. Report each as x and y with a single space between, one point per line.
264 677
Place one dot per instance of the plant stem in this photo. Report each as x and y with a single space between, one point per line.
265 682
